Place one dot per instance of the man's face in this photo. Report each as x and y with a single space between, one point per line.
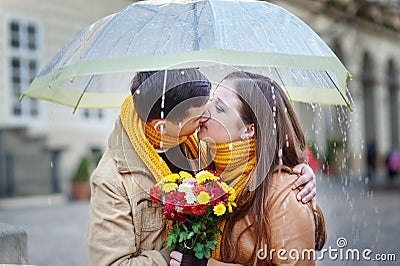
195 116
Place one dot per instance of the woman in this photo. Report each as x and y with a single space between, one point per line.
250 115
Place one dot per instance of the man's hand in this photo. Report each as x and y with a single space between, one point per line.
307 178
179 259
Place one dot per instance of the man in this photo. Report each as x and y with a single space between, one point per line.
148 142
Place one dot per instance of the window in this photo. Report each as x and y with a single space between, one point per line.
93 114
23 63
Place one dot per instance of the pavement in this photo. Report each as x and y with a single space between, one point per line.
359 221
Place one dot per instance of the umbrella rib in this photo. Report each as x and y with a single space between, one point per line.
216 29
83 92
196 44
283 84
341 94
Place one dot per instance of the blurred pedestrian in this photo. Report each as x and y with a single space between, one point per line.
393 163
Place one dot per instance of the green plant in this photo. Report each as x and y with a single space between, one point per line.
82 173
337 4
332 149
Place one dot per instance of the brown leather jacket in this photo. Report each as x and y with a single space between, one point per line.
124 229
292 226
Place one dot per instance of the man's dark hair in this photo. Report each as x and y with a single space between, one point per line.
184 87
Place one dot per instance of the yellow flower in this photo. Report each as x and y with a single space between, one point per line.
203 198
230 206
185 175
219 209
204 176
224 186
172 178
168 187
232 195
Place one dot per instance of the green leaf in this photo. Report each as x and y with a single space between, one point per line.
211 244
183 236
196 228
171 240
207 254
185 227
190 235
198 247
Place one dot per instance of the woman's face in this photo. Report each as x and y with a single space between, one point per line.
225 124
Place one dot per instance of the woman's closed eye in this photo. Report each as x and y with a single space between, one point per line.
219 108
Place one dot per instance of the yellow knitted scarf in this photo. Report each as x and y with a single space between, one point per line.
146 142
162 142
234 161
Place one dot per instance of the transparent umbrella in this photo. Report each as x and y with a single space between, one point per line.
93 70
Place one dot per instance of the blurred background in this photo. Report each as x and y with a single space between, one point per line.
46 151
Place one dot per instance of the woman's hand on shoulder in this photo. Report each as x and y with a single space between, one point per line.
306 179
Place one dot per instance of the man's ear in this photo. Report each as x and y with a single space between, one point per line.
250 130
160 126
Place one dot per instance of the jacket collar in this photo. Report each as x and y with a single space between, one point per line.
123 153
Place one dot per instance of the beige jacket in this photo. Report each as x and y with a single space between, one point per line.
292 225
124 228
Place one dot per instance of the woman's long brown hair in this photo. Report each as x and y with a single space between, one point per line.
279 142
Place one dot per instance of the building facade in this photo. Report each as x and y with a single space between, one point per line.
41 144
365 35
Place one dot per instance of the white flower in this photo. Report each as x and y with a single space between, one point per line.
185 187
190 197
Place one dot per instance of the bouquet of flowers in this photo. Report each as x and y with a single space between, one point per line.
194 205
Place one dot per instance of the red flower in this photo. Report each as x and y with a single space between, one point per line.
155 195
170 213
197 209
175 198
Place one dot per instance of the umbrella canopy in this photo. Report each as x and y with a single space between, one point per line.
166 34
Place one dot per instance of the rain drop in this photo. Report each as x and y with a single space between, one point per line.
180 124
287 140
161 145
230 146
280 157
280 153
137 92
